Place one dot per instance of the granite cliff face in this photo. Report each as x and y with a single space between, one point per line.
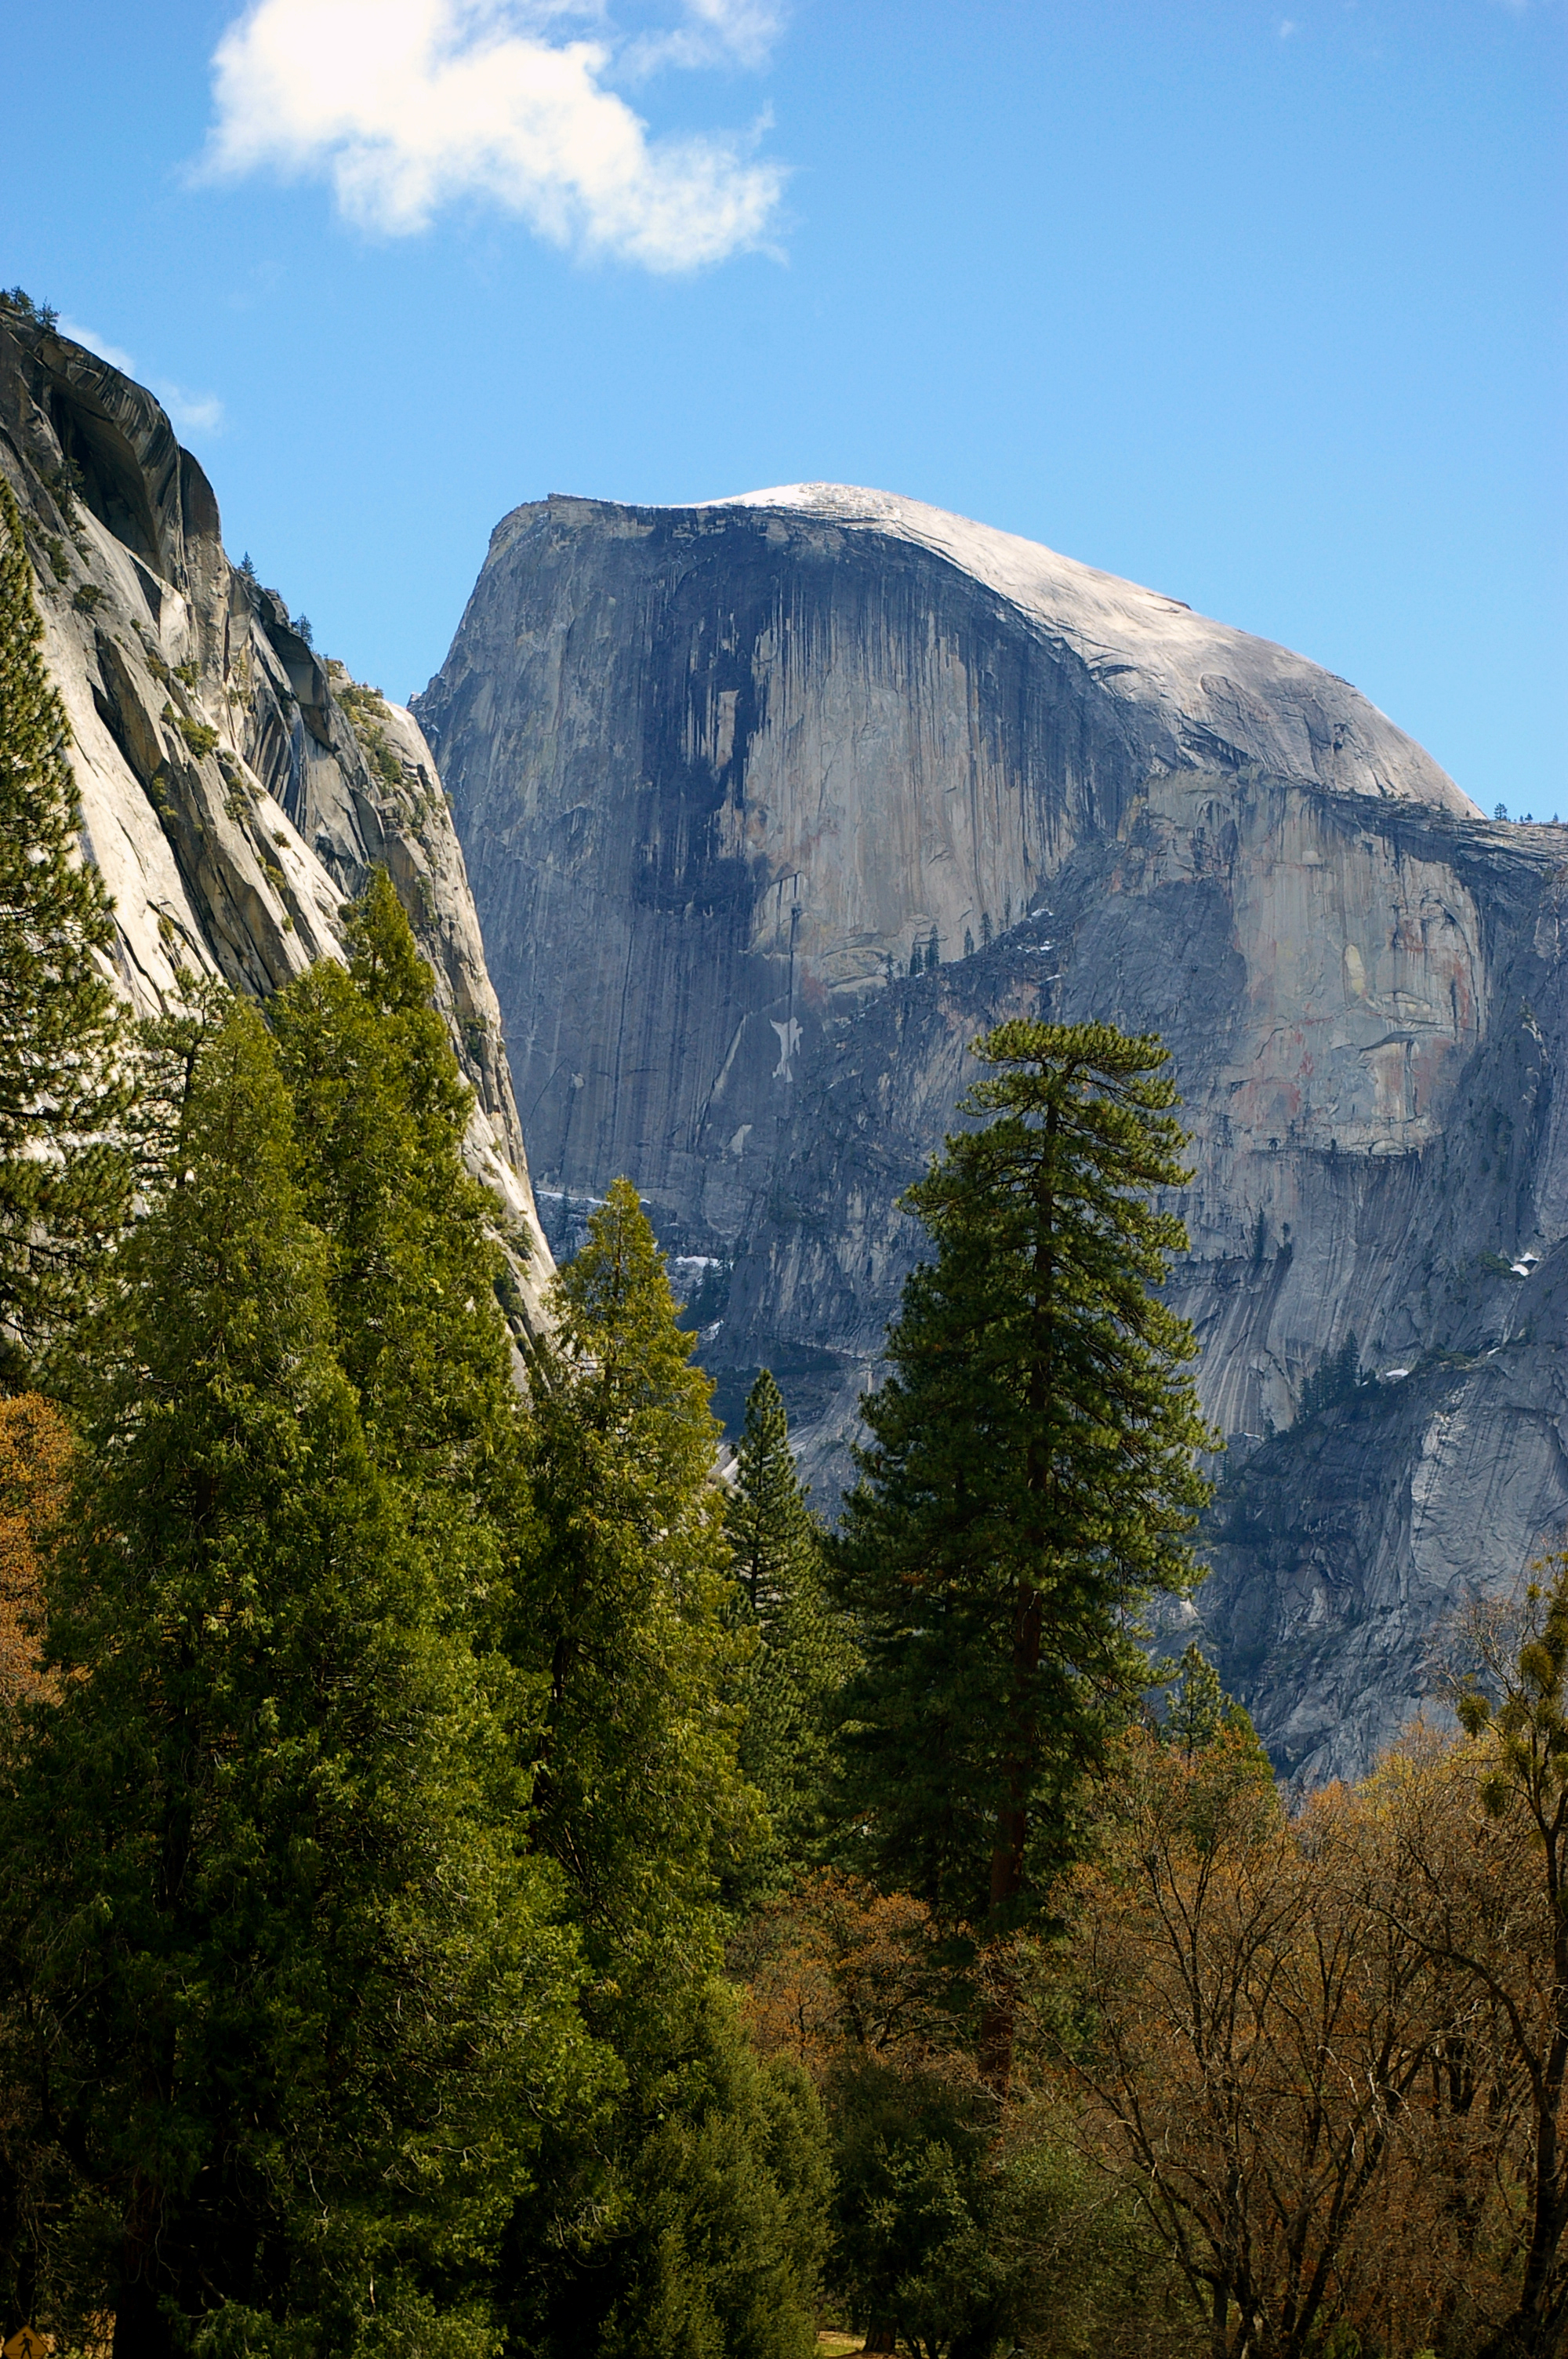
771 805
235 786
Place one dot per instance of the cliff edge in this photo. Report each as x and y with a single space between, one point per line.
235 786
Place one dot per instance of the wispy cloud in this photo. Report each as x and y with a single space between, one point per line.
192 413
189 413
713 32
408 106
96 344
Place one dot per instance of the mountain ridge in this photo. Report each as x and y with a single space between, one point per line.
236 787
770 807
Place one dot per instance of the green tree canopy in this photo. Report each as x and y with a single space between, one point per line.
698 2227
301 2002
687 2216
381 1108
628 1606
64 1176
1030 1476
804 1653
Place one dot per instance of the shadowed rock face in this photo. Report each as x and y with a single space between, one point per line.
234 787
723 772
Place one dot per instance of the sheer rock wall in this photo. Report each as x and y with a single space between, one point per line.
234 786
722 772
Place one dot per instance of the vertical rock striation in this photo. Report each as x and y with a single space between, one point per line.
771 805
235 786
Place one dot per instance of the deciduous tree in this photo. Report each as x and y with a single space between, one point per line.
35 1450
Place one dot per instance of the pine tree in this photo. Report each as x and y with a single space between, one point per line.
628 1612
64 1177
689 2215
803 1655
1196 1711
1337 1378
1030 1477
299 2005
381 1108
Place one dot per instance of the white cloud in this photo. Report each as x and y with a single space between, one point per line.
410 105
715 32
94 343
192 413
189 413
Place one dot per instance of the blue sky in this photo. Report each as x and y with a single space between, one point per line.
1260 305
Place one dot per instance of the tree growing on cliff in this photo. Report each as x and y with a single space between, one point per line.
64 1177
1029 1482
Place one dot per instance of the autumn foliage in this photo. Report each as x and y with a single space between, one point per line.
1321 2047
35 1457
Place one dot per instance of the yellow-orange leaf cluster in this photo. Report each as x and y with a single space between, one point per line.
1318 2044
36 1446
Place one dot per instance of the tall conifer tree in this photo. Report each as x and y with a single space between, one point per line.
64 1179
1030 1477
690 2216
637 1792
803 1655
381 1108
300 2003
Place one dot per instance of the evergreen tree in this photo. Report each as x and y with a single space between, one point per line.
688 2215
804 1653
1337 1378
1029 1479
381 1108
628 1611
695 2219
64 1177
300 2008
1196 1712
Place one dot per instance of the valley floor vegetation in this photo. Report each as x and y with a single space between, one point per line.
486 1880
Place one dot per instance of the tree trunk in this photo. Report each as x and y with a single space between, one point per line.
999 2019
1008 1854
